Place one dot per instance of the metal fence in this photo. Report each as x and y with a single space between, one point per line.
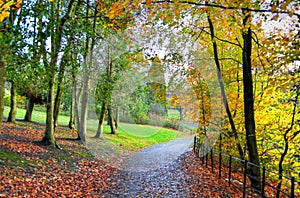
235 171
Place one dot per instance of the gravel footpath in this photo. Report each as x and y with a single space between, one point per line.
155 172
157 156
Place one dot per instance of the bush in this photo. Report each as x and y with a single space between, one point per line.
172 123
21 100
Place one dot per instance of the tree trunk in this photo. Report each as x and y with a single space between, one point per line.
180 113
29 109
58 99
2 82
249 105
13 104
111 120
72 116
88 58
49 138
117 117
223 92
286 144
101 121
61 78
76 96
84 107
56 41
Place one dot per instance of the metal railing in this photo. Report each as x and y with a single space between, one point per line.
236 172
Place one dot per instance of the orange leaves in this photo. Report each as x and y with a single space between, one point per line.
273 9
117 9
29 170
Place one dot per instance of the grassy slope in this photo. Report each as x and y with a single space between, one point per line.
130 137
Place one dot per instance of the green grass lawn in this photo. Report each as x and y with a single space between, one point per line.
37 116
173 113
130 136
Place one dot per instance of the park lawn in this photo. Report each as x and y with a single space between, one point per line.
172 113
132 142
131 137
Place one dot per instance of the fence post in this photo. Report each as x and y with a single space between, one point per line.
292 187
220 164
230 167
202 157
212 161
195 141
263 182
206 158
245 179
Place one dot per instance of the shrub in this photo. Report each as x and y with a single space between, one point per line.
172 123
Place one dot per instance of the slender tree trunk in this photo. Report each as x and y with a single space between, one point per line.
13 104
61 78
49 138
76 98
286 143
117 117
84 108
2 82
224 96
111 120
29 109
72 115
58 98
86 77
101 121
249 104
180 113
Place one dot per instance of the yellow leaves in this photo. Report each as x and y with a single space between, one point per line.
51 1
5 6
117 9
3 15
275 18
111 14
176 11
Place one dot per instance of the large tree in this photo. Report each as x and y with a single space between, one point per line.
9 21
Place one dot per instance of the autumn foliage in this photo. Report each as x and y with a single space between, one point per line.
28 169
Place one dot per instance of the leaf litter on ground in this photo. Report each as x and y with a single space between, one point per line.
28 169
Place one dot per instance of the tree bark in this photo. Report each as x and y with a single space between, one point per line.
58 97
223 92
49 138
84 108
249 104
56 38
117 117
76 97
72 124
61 79
286 144
101 121
86 76
2 82
111 120
29 109
13 104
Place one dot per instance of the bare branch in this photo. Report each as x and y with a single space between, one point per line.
223 40
228 7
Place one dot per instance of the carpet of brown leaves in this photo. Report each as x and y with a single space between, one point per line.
28 169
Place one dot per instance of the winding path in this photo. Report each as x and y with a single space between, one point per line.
157 156
163 171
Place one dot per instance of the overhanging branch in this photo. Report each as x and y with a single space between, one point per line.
228 7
